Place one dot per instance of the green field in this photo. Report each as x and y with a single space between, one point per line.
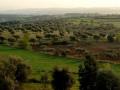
114 21
42 62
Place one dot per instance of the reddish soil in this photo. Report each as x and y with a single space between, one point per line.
79 50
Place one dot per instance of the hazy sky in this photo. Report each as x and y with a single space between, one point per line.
21 4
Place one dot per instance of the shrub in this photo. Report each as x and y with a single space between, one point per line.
44 81
24 43
92 78
106 80
110 38
22 72
62 79
7 83
88 74
12 72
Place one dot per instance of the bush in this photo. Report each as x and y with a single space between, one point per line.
22 72
44 81
7 83
62 79
92 78
110 38
24 43
88 74
106 80
12 72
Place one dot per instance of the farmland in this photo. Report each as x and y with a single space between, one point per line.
41 63
46 42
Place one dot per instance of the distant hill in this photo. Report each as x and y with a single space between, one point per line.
54 11
28 15
9 17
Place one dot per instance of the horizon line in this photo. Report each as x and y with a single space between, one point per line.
64 8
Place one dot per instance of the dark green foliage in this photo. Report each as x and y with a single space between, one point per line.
11 41
24 43
16 37
7 83
73 38
96 37
44 78
22 72
62 79
91 78
106 80
110 38
12 72
2 39
44 81
88 74
32 40
83 28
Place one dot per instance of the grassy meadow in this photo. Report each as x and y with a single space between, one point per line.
41 62
45 63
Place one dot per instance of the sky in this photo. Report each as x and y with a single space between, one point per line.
25 4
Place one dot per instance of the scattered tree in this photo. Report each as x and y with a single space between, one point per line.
88 74
62 79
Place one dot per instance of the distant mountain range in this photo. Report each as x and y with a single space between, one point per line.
56 11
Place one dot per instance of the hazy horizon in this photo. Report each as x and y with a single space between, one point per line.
38 4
